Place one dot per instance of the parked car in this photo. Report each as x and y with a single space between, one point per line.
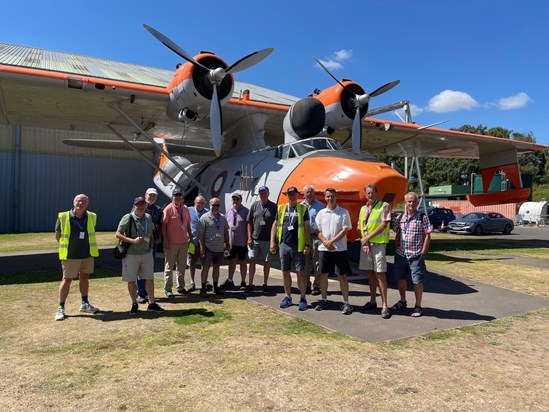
481 222
437 215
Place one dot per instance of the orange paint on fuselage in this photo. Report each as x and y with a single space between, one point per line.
348 177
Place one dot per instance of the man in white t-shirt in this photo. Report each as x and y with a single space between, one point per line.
333 223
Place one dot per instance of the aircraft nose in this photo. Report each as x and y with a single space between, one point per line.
348 177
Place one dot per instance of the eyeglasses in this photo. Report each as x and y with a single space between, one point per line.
215 205
178 195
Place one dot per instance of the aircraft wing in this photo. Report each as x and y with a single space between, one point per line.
384 138
42 88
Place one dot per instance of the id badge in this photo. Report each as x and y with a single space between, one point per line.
290 227
82 235
218 234
262 223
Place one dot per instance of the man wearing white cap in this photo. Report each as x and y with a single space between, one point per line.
155 212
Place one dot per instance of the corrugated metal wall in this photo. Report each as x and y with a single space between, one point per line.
36 185
462 207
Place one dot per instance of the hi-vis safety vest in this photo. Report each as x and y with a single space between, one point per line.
300 209
65 224
374 221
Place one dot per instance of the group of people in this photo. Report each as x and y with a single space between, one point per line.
309 236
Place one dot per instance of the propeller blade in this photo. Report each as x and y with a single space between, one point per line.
357 131
216 121
331 75
250 60
173 46
384 88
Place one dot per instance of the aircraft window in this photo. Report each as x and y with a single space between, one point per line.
285 152
321 144
303 147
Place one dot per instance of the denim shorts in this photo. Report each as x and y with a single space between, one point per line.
289 255
414 266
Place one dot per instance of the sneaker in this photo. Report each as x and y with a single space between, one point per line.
135 309
315 292
322 304
385 313
303 304
192 288
168 293
203 292
86 307
218 290
154 307
249 289
60 314
346 309
182 291
228 284
286 302
242 285
141 300
209 287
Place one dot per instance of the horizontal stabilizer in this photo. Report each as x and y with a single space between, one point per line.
498 198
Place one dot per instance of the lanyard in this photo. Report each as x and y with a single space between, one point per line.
77 221
139 221
290 217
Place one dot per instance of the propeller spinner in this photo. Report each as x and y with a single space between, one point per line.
215 76
360 102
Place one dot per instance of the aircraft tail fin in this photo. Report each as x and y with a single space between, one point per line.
503 162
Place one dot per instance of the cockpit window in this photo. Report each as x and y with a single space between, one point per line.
298 149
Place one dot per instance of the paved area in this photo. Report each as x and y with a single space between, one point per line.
449 302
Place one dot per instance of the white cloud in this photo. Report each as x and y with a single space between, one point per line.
333 62
517 101
451 101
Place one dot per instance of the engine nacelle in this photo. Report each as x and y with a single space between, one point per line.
306 118
191 90
340 106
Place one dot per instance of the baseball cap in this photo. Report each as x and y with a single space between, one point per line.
292 189
262 188
176 191
139 199
236 194
151 190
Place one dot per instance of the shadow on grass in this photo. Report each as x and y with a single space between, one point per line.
22 278
112 316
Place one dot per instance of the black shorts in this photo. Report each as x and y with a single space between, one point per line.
333 262
240 252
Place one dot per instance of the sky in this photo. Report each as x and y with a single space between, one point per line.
476 62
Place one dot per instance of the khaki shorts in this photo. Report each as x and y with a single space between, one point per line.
71 267
375 260
137 265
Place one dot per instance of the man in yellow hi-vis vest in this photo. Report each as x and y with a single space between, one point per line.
374 229
291 231
75 232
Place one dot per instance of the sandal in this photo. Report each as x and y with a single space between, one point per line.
385 313
370 305
399 305
418 312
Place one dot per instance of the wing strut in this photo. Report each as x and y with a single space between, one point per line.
159 147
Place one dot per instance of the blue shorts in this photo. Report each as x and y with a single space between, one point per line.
414 266
289 255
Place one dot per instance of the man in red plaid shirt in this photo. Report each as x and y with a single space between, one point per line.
413 236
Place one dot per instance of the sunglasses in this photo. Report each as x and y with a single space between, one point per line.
215 205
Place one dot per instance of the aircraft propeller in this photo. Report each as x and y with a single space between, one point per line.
215 76
359 101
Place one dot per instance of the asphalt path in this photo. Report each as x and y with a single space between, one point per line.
448 302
